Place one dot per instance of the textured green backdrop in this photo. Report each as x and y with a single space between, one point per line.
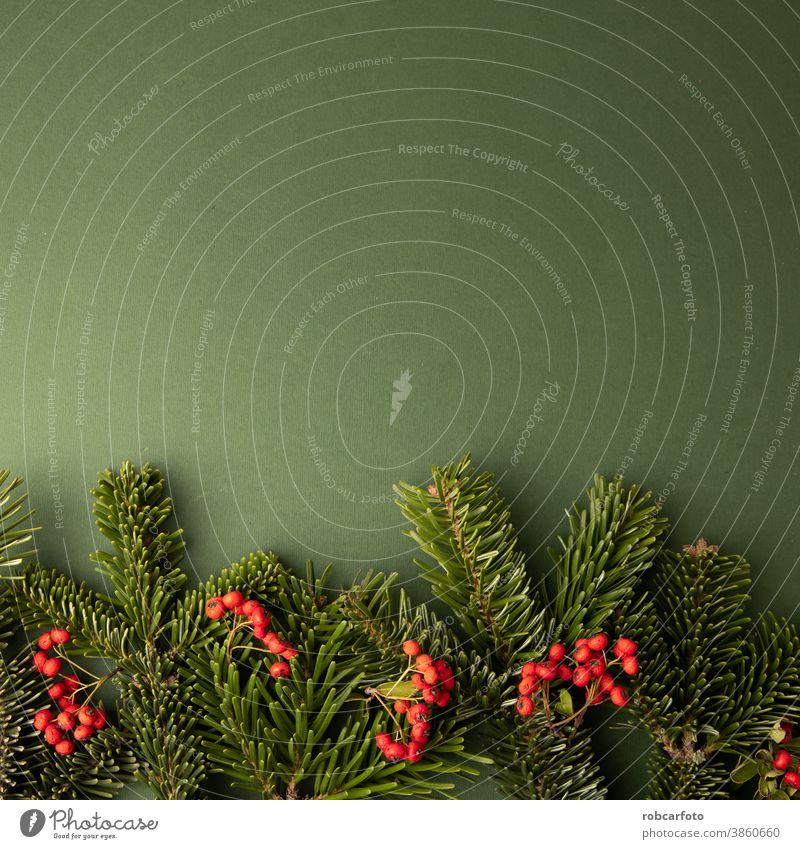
565 238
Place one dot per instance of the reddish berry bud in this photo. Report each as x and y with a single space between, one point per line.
39 660
42 718
443 699
582 654
52 734
232 599
557 653
383 740
57 690
65 747
630 665
423 661
597 667
431 488
606 682
66 720
414 752
87 715
100 720
83 732
564 672
791 779
581 676
598 642
59 636
524 706
412 648
52 667
279 669
782 759
529 669
429 695
249 606
401 706
45 642
420 732
528 686
396 751
430 675
546 671
418 713
215 608
619 696
624 647
71 682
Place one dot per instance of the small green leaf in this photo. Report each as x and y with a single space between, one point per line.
397 690
777 734
744 772
564 703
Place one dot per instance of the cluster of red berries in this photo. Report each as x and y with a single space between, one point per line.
783 760
590 669
434 681
81 720
249 613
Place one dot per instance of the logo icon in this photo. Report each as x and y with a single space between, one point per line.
402 389
31 822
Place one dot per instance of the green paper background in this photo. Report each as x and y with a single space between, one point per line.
229 348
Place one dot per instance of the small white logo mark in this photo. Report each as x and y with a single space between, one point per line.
401 390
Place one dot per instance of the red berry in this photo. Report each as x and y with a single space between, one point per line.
396 751
68 704
546 671
624 647
782 759
83 732
59 636
52 734
597 667
418 713
71 682
260 617
528 686
383 740
529 669
39 660
411 648
52 667
630 665
401 706
581 641
414 752
598 697
448 682
239 610
232 599
417 680
581 676
289 653
582 654
100 720
598 642
42 718
557 653
420 732
430 675
788 728
524 706
606 682
87 715
279 669
423 661
443 699
66 720
249 606
429 695
791 779
57 690
65 747
259 631
45 642
619 696
564 672
215 608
